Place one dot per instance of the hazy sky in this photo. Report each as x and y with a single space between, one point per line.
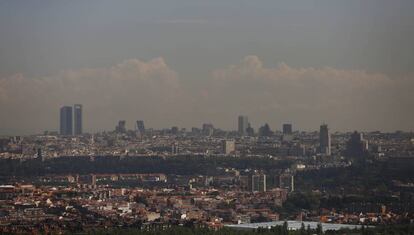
184 62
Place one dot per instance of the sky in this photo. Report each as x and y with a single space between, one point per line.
182 63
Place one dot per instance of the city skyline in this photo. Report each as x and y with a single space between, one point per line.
350 65
72 125
76 125
222 119
207 117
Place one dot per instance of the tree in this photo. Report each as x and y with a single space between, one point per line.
302 229
319 230
285 228
308 230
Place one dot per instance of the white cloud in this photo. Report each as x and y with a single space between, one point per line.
150 90
346 99
130 90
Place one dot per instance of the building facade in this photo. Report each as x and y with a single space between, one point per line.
66 126
287 129
324 140
121 127
78 119
243 123
229 146
140 126
258 183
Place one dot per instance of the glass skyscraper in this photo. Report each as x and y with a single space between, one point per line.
66 120
243 123
324 140
78 119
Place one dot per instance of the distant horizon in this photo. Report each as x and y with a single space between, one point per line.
4 133
94 97
184 63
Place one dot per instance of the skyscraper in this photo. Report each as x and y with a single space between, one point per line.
175 148
287 133
78 118
258 183
243 123
265 130
287 181
287 129
229 146
357 146
121 127
66 120
249 130
324 140
174 130
140 127
208 129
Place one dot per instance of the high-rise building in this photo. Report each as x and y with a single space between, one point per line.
324 140
195 131
249 130
287 133
175 148
243 123
77 109
140 126
265 130
174 130
287 129
66 120
121 127
356 147
229 146
287 181
258 183
208 129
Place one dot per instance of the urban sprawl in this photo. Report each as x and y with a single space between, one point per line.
207 177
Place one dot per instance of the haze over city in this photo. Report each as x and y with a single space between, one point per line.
184 63
212 117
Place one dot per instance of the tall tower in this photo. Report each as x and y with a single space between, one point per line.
140 126
287 129
229 146
208 129
258 183
287 181
243 123
121 127
324 140
356 147
66 120
78 119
